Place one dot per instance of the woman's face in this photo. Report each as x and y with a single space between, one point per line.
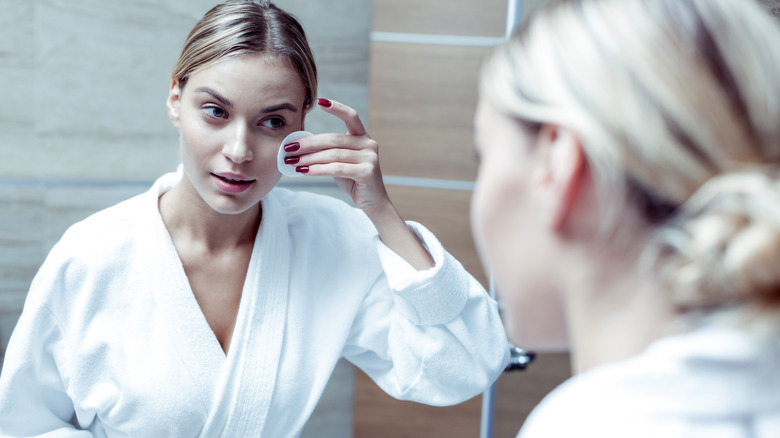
232 117
512 235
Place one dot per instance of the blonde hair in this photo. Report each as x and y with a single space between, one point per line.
665 96
238 27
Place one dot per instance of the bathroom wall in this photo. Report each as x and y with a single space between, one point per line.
83 123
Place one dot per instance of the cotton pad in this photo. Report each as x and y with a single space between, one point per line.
289 169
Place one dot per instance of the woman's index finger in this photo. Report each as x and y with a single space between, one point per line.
346 113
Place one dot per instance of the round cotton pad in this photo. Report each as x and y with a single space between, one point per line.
289 169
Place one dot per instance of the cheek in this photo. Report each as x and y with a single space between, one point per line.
191 135
483 212
496 208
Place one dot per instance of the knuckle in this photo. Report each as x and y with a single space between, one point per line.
337 140
365 170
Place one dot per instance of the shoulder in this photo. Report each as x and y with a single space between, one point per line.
109 229
586 405
89 250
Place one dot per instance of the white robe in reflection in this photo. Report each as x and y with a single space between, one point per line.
715 382
112 342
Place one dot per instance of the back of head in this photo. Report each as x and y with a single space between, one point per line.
677 106
239 27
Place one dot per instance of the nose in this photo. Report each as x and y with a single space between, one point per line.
238 148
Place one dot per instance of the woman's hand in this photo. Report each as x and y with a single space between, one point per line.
352 159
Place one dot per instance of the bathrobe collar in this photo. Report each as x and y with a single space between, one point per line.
237 388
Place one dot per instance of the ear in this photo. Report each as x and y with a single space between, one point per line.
173 103
562 175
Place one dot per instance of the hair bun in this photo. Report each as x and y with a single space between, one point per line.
724 245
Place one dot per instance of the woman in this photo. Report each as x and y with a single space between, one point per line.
628 205
218 305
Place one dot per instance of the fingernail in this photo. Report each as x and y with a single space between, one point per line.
291 160
302 169
292 147
324 102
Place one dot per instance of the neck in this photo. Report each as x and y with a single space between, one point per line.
614 311
190 220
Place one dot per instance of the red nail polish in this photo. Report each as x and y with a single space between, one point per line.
291 160
292 147
324 102
302 169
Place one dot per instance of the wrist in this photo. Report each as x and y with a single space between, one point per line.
384 216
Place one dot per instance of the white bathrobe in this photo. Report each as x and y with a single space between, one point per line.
715 382
112 343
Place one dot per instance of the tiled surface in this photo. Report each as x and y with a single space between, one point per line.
431 91
85 81
443 17
83 123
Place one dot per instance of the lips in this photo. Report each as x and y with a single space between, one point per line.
231 183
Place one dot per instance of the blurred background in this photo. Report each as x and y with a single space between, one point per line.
83 126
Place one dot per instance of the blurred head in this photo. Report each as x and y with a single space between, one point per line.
634 124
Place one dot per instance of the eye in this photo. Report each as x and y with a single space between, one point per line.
215 111
273 122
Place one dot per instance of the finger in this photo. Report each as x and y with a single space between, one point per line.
353 171
347 114
322 142
347 156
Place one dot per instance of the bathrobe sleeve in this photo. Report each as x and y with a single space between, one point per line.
432 336
33 398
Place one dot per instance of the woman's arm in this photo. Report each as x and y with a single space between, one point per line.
33 399
431 336
352 159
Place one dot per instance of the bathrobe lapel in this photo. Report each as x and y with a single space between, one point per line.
234 391
243 396
162 273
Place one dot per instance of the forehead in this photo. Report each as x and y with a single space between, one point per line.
250 77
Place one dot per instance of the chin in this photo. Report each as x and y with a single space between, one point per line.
232 207
530 332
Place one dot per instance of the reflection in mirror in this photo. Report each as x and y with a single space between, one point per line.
173 290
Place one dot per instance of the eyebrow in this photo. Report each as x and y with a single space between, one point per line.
222 99
225 101
281 106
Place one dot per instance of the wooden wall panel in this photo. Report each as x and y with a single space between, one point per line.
423 99
446 214
378 415
518 392
447 17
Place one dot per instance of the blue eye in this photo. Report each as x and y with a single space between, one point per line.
215 111
274 122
